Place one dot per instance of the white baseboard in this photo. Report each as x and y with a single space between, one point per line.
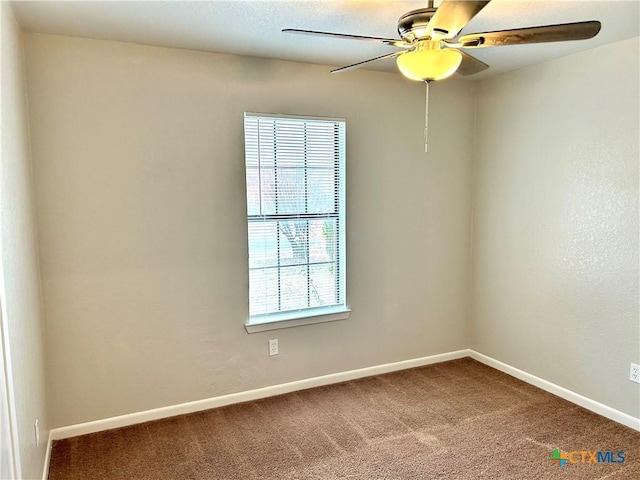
206 404
596 407
214 402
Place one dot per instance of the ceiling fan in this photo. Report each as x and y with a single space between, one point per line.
430 48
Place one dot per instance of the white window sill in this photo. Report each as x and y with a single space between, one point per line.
296 322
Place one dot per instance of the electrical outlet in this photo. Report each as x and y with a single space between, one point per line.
634 374
37 432
273 347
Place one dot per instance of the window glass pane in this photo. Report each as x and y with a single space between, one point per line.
294 242
251 142
263 291
263 244
293 287
253 191
322 143
292 190
322 240
266 142
322 280
322 190
290 140
268 192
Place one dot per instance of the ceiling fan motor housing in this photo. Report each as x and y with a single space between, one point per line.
412 25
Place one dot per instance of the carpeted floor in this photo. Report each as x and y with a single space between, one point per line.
453 420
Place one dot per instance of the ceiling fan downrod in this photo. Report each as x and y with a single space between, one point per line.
426 115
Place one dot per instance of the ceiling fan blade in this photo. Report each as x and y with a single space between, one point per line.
470 65
359 64
519 36
386 41
451 16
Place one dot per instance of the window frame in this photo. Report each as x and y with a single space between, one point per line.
307 315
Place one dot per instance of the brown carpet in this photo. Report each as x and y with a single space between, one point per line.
453 420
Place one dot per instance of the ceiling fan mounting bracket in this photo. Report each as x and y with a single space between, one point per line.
412 25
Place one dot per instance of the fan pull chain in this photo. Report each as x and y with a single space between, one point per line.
426 117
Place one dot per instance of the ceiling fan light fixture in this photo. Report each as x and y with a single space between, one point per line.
429 62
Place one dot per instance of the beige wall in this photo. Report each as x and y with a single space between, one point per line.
138 156
555 231
20 296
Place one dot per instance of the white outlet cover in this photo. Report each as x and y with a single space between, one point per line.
273 347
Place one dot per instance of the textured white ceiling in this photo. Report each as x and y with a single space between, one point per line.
254 27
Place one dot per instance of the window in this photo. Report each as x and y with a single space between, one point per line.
295 173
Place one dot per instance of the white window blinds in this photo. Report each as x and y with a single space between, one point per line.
295 213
